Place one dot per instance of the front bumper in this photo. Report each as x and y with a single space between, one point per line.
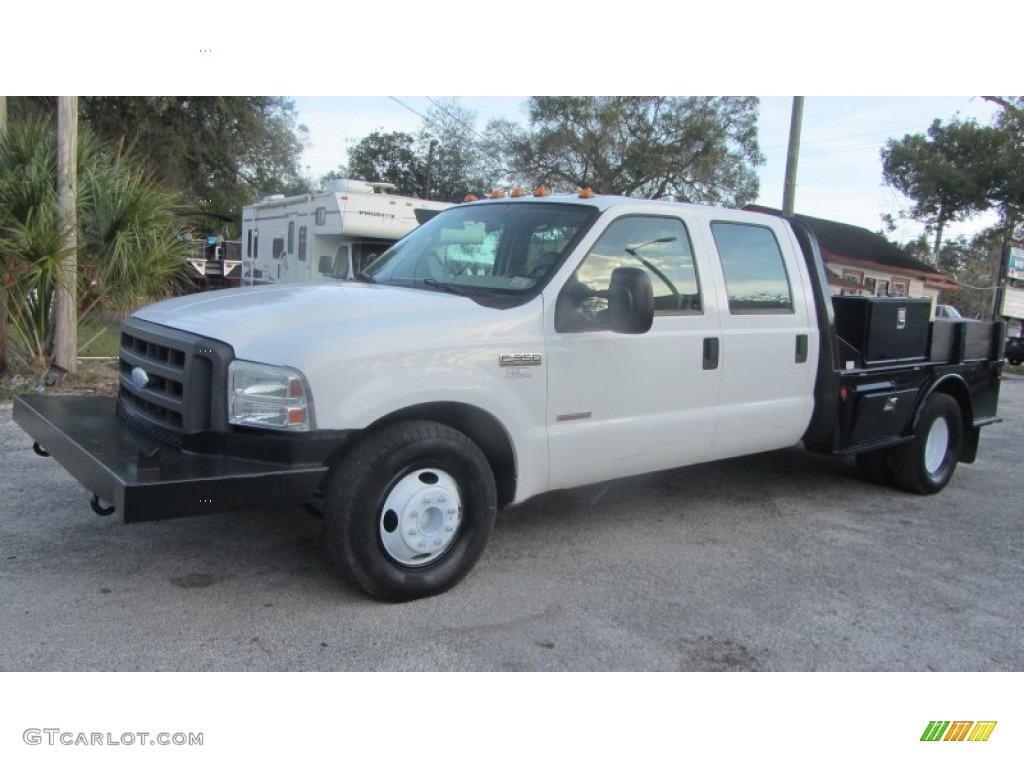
146 480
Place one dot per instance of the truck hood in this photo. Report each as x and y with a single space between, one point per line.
285 323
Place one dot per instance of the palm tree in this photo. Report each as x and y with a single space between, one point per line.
129 240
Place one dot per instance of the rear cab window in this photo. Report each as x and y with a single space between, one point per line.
755 273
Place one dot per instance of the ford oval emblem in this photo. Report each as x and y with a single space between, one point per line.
140 378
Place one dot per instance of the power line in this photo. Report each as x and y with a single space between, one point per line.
848 136
440 107
403 104
465 125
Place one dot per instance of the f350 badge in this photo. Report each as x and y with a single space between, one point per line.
520 360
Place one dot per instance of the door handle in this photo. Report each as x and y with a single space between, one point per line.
710 353
801 348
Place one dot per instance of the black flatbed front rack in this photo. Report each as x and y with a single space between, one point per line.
146 480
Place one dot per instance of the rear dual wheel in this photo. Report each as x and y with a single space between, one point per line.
409 510
926 465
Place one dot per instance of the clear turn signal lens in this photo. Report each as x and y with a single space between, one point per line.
268 397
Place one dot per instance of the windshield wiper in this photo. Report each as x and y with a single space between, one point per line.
447 287
364 277
457 290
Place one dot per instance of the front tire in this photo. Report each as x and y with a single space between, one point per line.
926 465
409 510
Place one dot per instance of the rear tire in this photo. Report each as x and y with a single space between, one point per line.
409 510
926 465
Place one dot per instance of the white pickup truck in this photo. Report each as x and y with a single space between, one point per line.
506 348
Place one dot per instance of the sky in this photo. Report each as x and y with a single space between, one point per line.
839 174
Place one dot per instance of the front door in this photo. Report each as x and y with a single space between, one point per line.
636 403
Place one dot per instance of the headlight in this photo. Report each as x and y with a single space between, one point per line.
268 396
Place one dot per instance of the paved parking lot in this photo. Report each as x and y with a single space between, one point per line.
783 561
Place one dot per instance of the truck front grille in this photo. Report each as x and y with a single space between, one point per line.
153 379
167 380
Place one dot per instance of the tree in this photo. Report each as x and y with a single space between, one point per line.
693 149
129 247
445 160
449 142
1007 183
222 152
973 264
948 173
389 157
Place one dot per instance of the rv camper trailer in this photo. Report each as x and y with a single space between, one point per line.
331 234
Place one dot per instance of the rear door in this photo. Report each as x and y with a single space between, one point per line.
769 339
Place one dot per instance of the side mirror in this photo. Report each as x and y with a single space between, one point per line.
630 301
326 265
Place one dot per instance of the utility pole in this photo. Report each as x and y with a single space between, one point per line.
1004 262
65 348
795 123
430 163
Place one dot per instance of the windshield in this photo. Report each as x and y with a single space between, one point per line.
494 249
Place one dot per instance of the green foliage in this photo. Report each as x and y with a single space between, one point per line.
694 149
33 250
220 152
388 157
972 263
445 160
948 172
1007 192
130 240
455 151
129 246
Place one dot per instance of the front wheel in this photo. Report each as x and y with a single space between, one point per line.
409 510
926 465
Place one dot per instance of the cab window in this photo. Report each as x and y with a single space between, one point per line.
659 245
755 274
